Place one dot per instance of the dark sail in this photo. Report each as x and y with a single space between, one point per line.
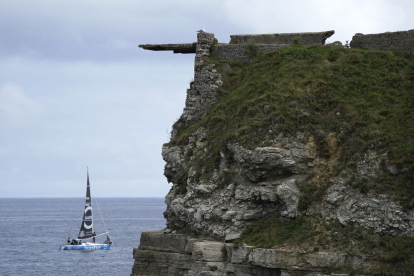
86 228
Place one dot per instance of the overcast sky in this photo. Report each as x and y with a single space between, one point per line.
76 91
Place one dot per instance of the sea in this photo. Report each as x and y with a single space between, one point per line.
31 230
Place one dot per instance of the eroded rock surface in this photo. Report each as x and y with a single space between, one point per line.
264 162
385 217
261 183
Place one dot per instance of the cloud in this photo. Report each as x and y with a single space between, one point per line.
111 117
82 93
111 30
15 106
119 44
345 17
78 29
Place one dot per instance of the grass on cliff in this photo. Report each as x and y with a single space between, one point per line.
365 97
314 234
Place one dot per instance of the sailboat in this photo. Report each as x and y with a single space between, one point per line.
86 236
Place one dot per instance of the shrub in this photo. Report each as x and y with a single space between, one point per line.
296 41
250 50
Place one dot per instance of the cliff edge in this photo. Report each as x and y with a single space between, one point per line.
291 157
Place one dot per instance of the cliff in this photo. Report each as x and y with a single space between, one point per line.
290 158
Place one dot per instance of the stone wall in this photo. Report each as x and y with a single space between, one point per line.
203 90
237 52
317 38
391 41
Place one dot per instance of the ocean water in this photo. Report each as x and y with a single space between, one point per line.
31 231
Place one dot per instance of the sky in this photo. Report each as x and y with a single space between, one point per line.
77 92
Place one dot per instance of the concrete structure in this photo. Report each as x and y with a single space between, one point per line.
236 49
182 48
286 38
402 41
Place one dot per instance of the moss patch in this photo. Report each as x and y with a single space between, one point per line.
314 234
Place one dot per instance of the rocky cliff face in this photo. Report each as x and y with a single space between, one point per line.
255 184
218 193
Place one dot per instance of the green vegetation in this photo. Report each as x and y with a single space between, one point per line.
312 190
211 50
296 41
365 97
274 231
181 182
225 179
314 234
251 50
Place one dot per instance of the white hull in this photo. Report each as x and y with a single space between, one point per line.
86 246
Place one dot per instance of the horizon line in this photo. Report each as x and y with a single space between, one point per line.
82 197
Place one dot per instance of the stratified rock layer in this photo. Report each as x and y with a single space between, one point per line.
205 257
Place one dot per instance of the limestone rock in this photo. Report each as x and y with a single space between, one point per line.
174 161
217 258
289 193
158 241
266 186
385 217
264 162
371 163
152 263
208 251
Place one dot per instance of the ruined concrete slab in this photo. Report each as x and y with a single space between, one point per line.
284 38
181 48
